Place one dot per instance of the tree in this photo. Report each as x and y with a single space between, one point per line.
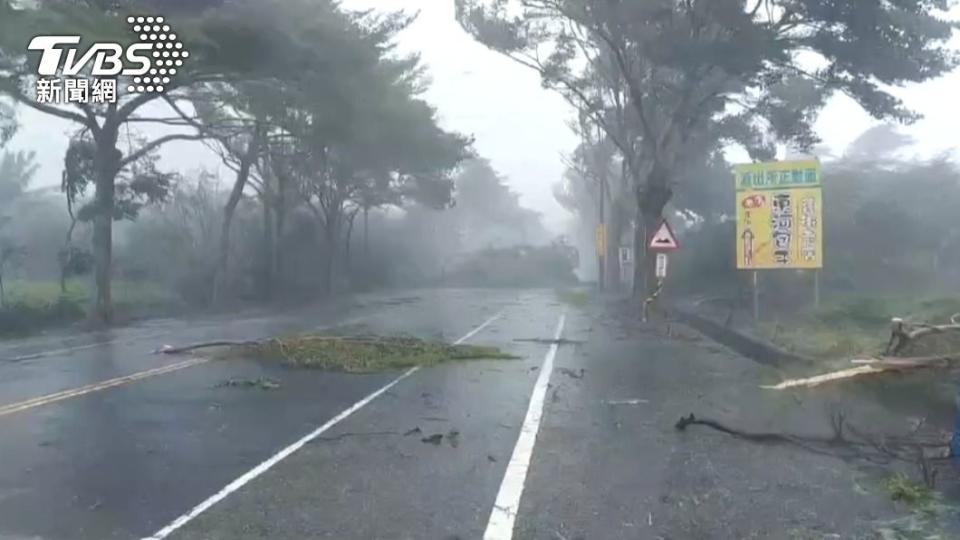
103 123
392 150
592 188
8 123
136 187
16 172
225 45
375 143
17 169
10 255
719 69
488 212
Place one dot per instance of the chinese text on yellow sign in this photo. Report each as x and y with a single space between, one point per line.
779 215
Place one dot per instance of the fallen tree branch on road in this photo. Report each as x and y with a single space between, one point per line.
847 442
166 349
871 366
903 334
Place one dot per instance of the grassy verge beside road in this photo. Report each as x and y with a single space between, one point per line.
852 326
35 305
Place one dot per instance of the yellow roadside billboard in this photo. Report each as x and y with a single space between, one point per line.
779 215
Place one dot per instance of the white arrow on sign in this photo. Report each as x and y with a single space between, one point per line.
664 238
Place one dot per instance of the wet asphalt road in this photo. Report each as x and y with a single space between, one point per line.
128 460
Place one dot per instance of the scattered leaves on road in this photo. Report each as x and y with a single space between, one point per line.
573 374
435 439
902 488
453 439
259 383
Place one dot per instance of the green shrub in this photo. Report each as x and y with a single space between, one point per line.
22 318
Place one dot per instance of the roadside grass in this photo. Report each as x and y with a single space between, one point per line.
851 326
362 354
38 293
573 297
34 305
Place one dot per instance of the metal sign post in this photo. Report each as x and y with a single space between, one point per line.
756 295
626 268
816 289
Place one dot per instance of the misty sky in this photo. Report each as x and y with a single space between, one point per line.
519 126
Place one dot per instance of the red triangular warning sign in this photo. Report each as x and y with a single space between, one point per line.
664 239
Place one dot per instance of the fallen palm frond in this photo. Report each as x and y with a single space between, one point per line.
361 354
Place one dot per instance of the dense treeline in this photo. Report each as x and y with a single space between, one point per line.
663 86
331 146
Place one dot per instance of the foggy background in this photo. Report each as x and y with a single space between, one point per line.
519 126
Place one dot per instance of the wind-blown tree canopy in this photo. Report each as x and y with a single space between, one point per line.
350 132
16 171
229 43
738 70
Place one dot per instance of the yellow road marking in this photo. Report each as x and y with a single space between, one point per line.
97 387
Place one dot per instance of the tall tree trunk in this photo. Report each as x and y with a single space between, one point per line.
223 259
652 197
366 234
612 266
330 235
348 242
269 248
107 161
64 258
280 217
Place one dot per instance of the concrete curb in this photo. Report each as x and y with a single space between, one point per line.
749 346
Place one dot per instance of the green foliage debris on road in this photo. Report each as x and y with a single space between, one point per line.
902 488
365 354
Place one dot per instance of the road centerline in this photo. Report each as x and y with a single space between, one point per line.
286 452
97 387
507 505
70 393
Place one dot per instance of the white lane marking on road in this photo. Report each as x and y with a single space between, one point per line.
65 350
97 387
504 513
126 379
286 452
